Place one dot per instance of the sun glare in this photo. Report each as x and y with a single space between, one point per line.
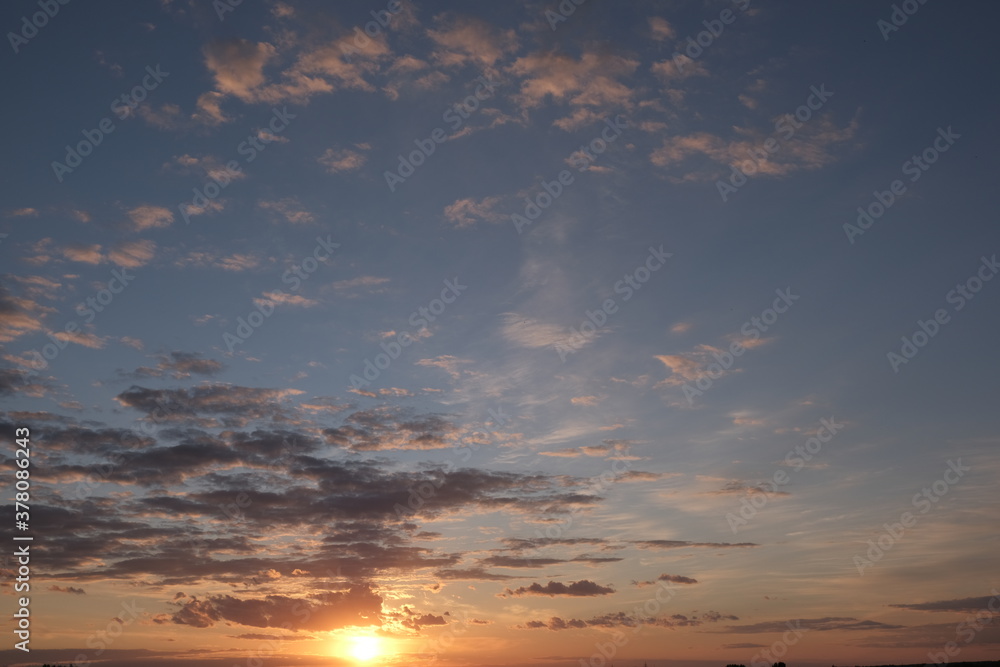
365 648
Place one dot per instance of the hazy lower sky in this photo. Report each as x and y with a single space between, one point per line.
522 333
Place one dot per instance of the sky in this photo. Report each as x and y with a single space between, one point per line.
534 333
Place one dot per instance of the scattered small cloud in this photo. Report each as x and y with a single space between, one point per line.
149 217
343 159
289 208
582 588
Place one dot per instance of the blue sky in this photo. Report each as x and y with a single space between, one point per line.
335 362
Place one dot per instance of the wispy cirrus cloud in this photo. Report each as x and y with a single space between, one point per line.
682 544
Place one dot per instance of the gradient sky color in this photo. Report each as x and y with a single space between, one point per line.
505 333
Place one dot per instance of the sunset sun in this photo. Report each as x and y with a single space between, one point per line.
364 648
